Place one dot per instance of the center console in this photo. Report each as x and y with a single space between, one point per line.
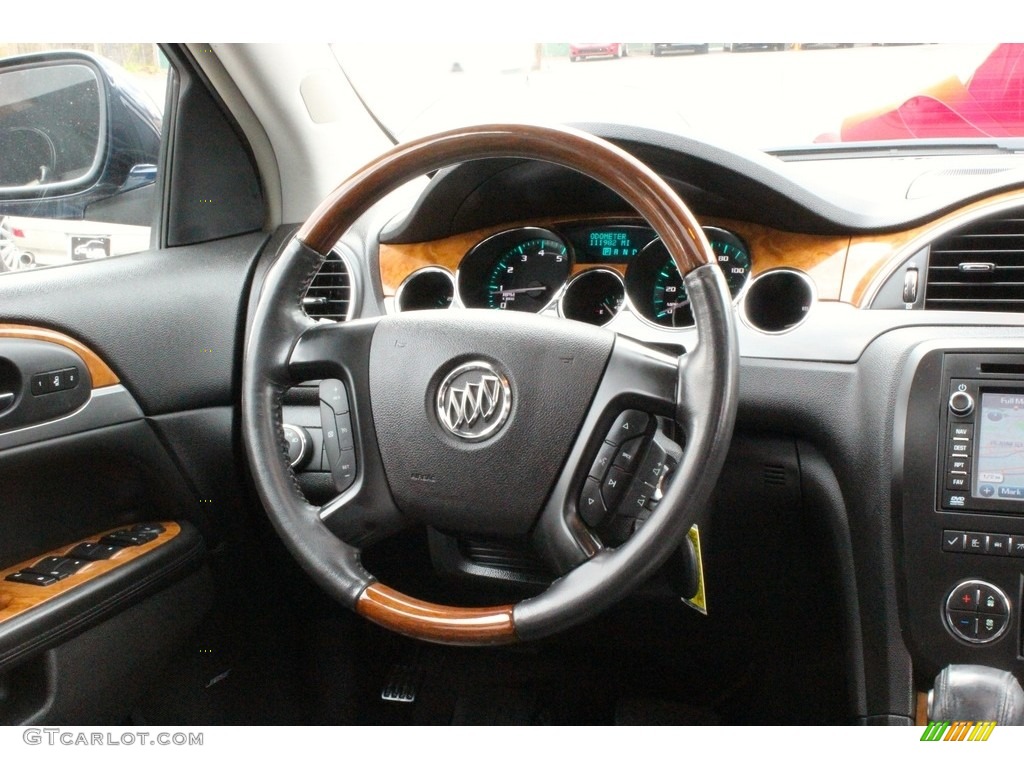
960 487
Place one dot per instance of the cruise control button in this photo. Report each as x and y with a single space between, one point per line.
344 424
964 624
333 393
345 474
591 506
628 425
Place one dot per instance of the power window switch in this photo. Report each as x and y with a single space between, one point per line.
58 567
36 579
93 550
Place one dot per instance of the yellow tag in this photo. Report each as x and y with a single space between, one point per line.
699 601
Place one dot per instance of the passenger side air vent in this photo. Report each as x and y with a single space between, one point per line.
329 296
979 267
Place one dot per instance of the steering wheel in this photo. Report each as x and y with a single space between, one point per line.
485 422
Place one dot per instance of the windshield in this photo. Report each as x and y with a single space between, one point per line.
761 96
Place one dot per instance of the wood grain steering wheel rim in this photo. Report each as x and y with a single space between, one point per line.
704 382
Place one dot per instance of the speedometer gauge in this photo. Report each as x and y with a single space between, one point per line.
656 288
522 270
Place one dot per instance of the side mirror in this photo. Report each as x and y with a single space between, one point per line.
74 135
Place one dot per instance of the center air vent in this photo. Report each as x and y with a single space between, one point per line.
329 296
979 267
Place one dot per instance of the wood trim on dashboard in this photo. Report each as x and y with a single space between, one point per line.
872 256
843 268
16 599
100 373
821 257
438 623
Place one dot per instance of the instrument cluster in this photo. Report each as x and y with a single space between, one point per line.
585 272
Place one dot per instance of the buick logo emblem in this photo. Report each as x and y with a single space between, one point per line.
474 401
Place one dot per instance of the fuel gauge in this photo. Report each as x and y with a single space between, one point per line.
594 297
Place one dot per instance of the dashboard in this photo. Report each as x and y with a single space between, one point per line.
849 317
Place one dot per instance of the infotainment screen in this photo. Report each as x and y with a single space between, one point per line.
999 447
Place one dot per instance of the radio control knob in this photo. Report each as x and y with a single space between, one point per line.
961 403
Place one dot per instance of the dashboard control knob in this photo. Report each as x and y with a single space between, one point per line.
300 445
961 403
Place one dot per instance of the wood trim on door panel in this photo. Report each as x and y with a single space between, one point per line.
99 371
16 599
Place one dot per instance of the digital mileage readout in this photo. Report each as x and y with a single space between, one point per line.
619 244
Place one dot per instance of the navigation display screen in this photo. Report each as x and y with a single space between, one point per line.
1000 447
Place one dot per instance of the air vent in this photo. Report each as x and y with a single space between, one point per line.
979 267
330 294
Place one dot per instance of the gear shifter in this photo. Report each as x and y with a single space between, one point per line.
974 692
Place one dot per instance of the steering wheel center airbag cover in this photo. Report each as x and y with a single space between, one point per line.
497 482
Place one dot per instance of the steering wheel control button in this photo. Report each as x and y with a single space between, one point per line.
605 456
977 611
591 507
473 401
345 471
961 403
333 393
614 487
628 454
628 425
953 541
344 424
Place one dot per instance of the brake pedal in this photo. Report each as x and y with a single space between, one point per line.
402 683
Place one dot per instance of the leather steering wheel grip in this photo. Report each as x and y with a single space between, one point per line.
705 400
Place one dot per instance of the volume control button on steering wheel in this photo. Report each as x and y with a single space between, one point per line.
339 442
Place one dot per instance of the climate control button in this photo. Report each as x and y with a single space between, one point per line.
977 612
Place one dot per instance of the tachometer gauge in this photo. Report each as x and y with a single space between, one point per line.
522 270
656 288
